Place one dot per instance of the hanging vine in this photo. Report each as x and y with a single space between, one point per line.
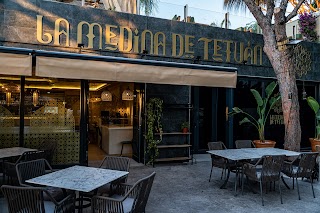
154 115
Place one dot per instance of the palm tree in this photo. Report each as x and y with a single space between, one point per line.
149 6
223 22
273 24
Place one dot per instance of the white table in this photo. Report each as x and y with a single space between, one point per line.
78 178
248 154
13 152
251 153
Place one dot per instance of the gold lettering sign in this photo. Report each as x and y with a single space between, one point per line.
122 39
40 31
144 41
174 45
128 40
110 35
158 43
58 32
205 47
90 34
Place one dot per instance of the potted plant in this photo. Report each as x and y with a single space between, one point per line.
313 103
185 127
264 106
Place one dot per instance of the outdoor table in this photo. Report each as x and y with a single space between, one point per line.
78 178
248 154
13 151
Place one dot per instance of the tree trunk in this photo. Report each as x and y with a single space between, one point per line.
274 30
285 71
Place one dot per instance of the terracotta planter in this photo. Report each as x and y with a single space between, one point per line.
265 144
185 130
314 143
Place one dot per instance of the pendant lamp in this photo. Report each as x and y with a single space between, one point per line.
106 96
127 95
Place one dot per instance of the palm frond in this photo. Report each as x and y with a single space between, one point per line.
149 6
237 5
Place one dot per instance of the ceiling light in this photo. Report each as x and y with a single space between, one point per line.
106 96
127 95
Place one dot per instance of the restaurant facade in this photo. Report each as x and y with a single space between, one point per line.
80 75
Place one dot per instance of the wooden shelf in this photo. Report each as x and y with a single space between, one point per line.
178 106
173 133
173 159
174 146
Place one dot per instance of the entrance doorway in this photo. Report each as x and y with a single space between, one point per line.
110 119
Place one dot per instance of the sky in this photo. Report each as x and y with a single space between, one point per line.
203 11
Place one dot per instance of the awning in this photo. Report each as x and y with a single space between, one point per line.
78 66
18 62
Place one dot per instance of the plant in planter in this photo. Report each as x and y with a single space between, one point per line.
314 104
185 127
264 106
154 115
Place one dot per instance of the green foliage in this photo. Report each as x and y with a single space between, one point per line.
314 104
154 115
185 125
264 106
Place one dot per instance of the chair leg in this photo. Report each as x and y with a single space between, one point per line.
222 173
210 173
293 183
261 192
242 182
311 180
280 192
298 188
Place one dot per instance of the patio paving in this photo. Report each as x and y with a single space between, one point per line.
184 188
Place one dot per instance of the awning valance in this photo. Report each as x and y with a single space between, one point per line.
132 72
15 64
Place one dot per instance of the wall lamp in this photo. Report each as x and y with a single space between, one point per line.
80 47
144 53
197 60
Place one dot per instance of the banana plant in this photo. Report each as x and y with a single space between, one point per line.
313 103
264 106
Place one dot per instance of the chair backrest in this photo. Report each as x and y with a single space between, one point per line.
30 155
23 199
307 162
219 145
243 144
143 187
116 163
49 147
271 167
31 169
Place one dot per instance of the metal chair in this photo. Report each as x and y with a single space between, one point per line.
35 168
30 199
301 167
215 160
127 198
268 173
49 147
244 144
109 162
317 167
9 169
